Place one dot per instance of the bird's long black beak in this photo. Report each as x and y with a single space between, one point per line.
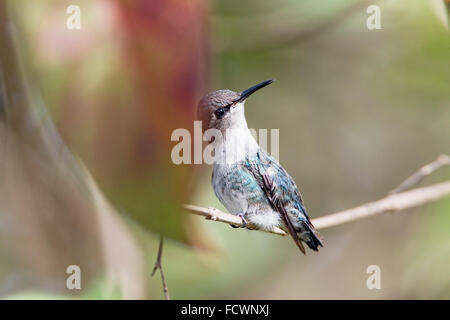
246 93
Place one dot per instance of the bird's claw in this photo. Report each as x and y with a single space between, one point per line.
244 222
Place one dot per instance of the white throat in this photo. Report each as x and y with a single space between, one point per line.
237 141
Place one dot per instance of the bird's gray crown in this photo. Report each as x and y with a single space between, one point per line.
216 100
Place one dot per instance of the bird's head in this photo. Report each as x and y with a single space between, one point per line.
224 109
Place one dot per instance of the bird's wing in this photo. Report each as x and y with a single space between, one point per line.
279 189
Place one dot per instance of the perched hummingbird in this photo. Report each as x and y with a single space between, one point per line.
248 181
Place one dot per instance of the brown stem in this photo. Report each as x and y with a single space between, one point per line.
419 175
158 265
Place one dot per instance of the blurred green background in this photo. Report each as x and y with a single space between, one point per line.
358 111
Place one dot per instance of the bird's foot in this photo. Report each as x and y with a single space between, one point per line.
244 222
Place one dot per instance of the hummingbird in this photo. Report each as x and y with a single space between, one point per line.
248 181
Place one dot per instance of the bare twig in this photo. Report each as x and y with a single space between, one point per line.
158 265
419 175
391 203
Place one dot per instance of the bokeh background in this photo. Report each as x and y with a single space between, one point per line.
86 175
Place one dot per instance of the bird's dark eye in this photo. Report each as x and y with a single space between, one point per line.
220 113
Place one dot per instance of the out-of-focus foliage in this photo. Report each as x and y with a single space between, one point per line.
442 10
52 213
358 111
118 88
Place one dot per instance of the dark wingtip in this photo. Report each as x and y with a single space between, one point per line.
300 246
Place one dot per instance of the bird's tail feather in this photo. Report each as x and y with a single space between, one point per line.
313 237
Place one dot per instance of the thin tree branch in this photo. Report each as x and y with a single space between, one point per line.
158 265
391 203
419 175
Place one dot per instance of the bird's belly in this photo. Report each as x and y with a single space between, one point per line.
240 193
229 188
